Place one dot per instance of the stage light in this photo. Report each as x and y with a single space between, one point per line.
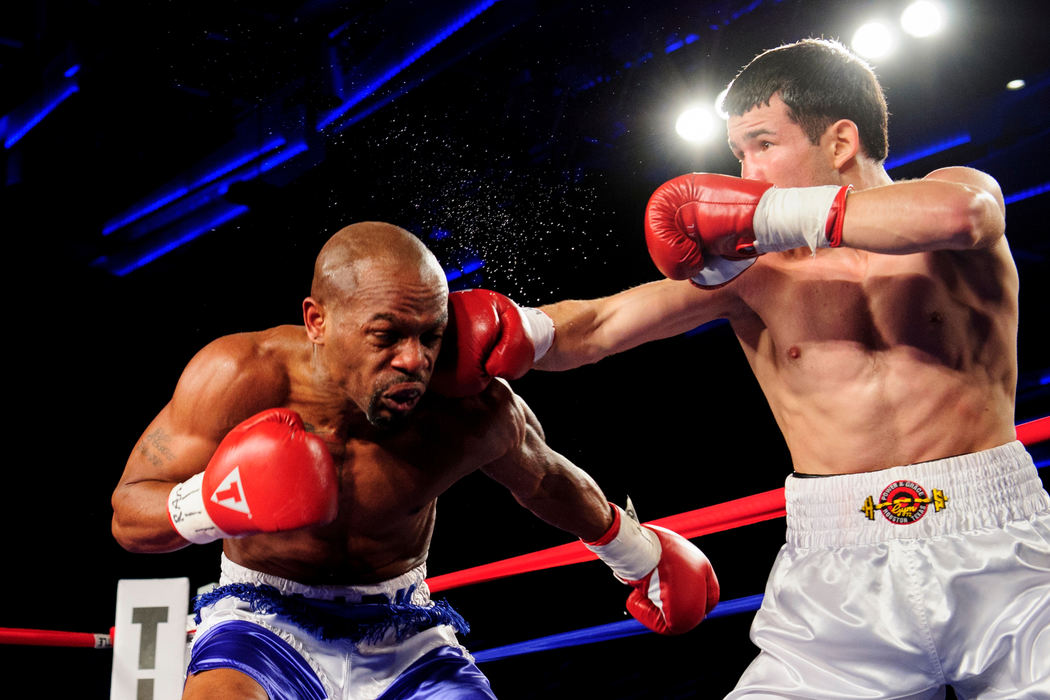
873 40
1015 84
922 18
695 124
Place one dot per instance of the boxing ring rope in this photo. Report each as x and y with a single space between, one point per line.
56 638
691 524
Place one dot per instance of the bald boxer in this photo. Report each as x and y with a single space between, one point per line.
317 455
880 319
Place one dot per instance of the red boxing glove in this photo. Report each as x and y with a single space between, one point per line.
488 336
700 225
700 215
674 583
267 475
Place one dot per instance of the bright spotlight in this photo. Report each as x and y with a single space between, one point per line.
922 18
695 124
873 40
1016 84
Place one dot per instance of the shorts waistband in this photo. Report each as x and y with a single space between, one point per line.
956 494
410 587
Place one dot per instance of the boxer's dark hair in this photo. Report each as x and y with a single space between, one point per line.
821 82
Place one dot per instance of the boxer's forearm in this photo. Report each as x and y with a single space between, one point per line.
140 518
587 331
577 327
568 499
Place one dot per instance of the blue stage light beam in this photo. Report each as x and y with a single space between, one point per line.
153 253
165 199
285 154
674 46
1028 193
392 72
926 151
39 115
473 265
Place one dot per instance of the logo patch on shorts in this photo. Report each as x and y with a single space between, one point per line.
904 502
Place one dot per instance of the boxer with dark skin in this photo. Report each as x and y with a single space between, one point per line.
356 373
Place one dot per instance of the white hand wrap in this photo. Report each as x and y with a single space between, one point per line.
633 552
539 327
187 514
793 217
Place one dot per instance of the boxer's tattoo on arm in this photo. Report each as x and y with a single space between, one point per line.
154 448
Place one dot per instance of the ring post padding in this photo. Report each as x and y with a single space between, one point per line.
149 640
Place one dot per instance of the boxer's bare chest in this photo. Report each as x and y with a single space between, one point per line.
845 341
852 306
389 483
389 477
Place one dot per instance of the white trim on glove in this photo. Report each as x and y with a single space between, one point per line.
633 552
793 217
539 327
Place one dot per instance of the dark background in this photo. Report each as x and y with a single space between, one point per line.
530 139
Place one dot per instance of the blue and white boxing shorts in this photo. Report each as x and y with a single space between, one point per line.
897 583
386 640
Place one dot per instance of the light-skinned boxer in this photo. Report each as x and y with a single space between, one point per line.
880 320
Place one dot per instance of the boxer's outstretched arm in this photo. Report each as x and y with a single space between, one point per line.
949 209
543 481
588 330
223 384
673 583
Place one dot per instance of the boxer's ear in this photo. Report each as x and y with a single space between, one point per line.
842 141
314 320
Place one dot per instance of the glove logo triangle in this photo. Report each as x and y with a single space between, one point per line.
230 493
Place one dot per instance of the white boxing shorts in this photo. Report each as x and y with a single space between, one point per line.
897 583
386 640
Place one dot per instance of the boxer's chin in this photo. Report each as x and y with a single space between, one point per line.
391 410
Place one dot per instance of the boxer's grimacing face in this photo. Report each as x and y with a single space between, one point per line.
772 147
386 338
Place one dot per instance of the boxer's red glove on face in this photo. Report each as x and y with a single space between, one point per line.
708 227
674 584
488 336
267 475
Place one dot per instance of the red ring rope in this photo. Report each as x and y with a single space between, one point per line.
55 638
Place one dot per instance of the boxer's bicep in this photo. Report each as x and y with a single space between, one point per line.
221 386
168 451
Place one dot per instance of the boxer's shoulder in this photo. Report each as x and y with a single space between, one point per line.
275 349
248 368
